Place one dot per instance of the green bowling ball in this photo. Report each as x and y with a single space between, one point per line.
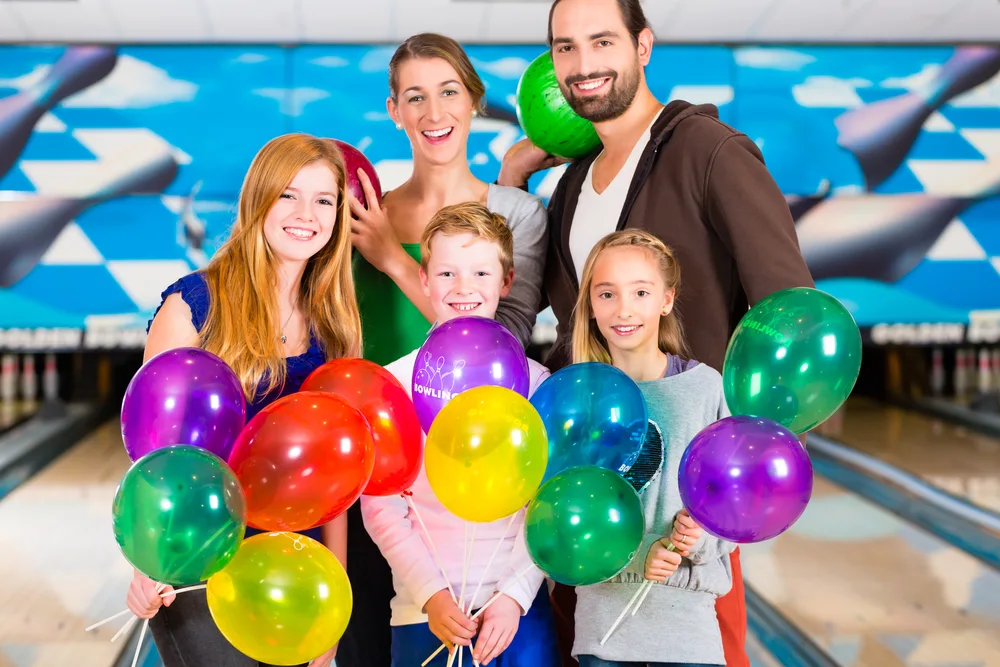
547 118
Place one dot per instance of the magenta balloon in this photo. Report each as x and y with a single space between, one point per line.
354 160
183 396
745 479
466 353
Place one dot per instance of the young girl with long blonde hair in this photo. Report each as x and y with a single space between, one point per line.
276 301
624 316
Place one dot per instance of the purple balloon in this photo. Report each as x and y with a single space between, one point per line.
466 353
745 479
184 396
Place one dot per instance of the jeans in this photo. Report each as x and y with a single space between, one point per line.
186 636
591 661
534 644
368 636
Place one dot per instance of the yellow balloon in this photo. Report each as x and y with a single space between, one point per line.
486 454
284 599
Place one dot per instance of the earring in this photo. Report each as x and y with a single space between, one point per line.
399 126
474 113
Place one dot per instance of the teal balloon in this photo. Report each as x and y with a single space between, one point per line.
594 414
179 515
793 359
584 526
547 118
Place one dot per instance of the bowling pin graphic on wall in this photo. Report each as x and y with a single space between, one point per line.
78 68
133 160
881 134
129 161
879 237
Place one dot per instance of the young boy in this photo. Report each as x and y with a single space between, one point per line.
467 266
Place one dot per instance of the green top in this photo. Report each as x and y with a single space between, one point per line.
391 325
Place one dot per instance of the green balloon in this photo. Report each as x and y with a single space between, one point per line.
179 515
584 526
547 118
794 359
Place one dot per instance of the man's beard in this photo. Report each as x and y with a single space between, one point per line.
609 106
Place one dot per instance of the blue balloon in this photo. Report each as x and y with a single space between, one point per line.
594 414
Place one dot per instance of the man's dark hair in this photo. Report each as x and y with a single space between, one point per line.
632 15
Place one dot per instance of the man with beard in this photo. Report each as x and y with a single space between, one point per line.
674 170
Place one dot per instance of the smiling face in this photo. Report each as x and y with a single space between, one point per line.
434 108
304 216
464 277
597 63
628 296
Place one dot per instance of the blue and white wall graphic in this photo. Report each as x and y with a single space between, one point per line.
120 167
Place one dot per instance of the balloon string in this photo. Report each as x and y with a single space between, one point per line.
430 542
159 587
621 616
107 620
637 600
484 608
131 621
492 558
138 647
469 546
125 628
185 590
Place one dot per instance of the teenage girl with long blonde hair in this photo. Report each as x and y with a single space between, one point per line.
276 301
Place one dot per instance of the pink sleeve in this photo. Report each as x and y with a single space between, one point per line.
524 590
396 532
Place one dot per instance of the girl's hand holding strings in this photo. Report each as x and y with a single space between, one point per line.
661 561
685 534
144 598
449 623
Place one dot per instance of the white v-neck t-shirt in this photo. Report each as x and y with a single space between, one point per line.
597 215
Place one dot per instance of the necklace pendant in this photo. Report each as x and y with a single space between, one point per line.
283 339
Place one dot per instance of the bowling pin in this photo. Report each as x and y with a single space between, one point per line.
881 134
937 372
960 375
50 379
8 378
29 381
996 369
191 230
78 68
29 225
984 379
879 237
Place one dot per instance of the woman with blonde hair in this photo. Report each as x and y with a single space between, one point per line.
435 96
276 301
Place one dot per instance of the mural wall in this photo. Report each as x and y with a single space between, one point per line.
119 168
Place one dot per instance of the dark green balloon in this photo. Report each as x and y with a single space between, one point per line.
179 515
547 118
584 526
794 359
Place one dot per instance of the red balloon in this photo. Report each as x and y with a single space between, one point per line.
355 159
303 460
384 402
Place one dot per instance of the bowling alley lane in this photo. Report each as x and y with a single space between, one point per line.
13 413
951 457
60 568
875 591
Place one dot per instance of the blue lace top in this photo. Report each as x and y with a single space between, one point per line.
194 290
